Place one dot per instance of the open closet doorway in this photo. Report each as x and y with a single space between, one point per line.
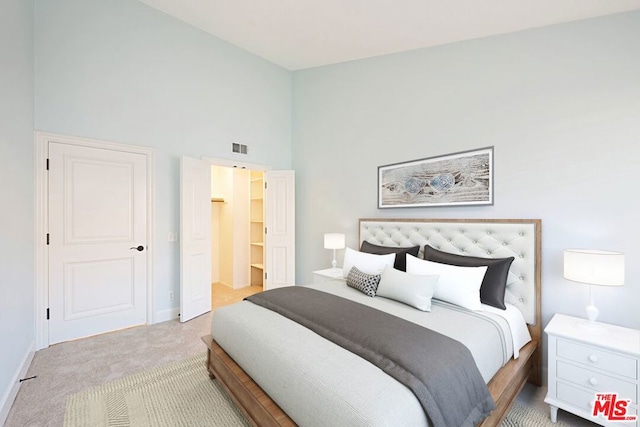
237 234
197 237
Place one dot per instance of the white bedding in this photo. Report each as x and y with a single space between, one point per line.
512 322
318 383
519 332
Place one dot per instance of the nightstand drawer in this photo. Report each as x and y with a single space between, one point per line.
596 381
584 401
579 398
590 356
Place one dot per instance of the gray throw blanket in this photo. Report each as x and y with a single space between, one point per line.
440 371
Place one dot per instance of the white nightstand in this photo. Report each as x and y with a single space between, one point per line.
585 361
321 276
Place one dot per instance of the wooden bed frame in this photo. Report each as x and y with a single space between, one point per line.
504 387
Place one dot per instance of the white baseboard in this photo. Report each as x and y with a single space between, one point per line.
165 315
12 391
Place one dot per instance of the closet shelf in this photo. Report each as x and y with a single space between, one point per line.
256 231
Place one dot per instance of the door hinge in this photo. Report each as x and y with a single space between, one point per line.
47 314
47 164
47 238
265 185
265 230
265 275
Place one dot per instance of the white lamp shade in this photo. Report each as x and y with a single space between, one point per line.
594 267
334 241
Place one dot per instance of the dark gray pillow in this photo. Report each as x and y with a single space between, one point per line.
401 253
494 283
365 283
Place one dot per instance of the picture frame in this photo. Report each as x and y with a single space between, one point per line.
458 179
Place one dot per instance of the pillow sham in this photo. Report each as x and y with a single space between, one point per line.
494 283
411 289
367 263
457 285
401 253
365 283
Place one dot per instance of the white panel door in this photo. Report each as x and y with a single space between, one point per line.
97 220
280 235
195 238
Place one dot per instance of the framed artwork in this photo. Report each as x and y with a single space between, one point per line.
457 179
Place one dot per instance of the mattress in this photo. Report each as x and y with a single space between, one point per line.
318 383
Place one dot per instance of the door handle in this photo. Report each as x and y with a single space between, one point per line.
138 248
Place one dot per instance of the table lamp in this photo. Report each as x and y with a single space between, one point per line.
594 267
334 241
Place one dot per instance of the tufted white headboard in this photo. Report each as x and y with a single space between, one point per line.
489 238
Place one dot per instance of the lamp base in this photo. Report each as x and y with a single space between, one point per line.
334 263
592 315
592 312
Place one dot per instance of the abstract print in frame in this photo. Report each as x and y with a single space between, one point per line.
464 178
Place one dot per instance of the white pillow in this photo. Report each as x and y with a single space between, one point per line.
367 263
412 289
457 285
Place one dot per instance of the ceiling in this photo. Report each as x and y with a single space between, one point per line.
299 34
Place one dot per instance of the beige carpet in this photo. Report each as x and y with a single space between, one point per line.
181 394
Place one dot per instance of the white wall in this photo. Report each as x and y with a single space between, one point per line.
561 106
120 71
215 242
225 247
17 187
233 185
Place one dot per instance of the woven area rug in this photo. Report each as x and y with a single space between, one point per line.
523 416
181 394
174 395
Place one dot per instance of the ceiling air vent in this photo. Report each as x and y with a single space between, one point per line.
238 148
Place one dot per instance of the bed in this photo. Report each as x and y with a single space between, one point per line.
519 239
